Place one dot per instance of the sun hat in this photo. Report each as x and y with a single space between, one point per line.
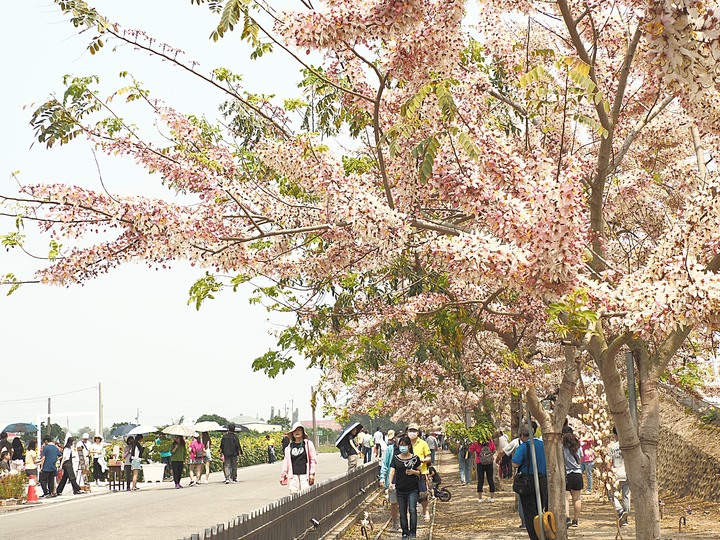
391 434
294 427
413 426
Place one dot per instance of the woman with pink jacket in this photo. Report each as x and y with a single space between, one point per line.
298 470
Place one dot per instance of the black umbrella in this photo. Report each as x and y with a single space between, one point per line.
122 431
346 434
21 427
239 428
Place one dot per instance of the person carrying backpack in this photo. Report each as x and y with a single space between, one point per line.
484 460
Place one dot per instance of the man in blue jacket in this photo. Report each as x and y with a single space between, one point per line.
522 463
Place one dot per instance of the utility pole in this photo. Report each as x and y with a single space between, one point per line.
137 416
313 404
100 409
47 426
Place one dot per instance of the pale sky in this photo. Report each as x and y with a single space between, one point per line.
132 329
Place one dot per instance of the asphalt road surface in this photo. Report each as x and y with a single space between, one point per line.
157 511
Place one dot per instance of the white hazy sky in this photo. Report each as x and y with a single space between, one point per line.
131 329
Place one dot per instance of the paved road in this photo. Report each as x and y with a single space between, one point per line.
157 511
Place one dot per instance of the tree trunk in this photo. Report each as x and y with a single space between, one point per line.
551 424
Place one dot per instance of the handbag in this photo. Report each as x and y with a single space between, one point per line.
523 484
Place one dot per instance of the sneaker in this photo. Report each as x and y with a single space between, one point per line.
192 483
492 499
574 523
234 481
405 537
622 516
568 522
227 481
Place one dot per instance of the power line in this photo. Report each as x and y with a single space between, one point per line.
42 398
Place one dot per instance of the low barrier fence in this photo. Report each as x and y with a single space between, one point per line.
308 515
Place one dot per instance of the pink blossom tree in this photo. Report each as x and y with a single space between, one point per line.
561 151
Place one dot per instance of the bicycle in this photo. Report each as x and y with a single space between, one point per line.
441 494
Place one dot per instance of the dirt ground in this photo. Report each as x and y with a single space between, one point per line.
464 518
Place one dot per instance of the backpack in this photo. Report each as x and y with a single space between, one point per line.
200 453
486 455
344 451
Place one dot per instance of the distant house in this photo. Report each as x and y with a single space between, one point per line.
324 424
255 424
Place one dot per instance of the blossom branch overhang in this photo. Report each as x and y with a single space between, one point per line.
635 131
281 129
378 143
284 232
309 67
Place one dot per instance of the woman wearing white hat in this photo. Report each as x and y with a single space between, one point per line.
298 471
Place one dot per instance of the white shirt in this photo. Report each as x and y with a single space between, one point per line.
510 447
379 439
618 462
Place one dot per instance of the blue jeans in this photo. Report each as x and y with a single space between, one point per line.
432 456
587 469
465 465
407 501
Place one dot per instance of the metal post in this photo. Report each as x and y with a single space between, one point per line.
533 456
313 404
100 410
632 391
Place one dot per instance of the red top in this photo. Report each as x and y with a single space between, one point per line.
477 447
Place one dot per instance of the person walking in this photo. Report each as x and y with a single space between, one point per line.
31 459
230 451
464 462
522 464
379 439
197 460
178 455
67 465
352 450
422 451
509 451
433 445
18 451
299 461
97 454
390 450
207 443
48 466
367 445
484 459
82 468
127 460
573 474
503 460
4 443
617 462
404 479
587 464
136 461
270 449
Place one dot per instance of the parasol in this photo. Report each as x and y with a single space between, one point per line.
142 430
346 434
177 429
21 427
208 425
122 431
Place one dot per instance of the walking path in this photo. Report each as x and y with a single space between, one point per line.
464 518
157 511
